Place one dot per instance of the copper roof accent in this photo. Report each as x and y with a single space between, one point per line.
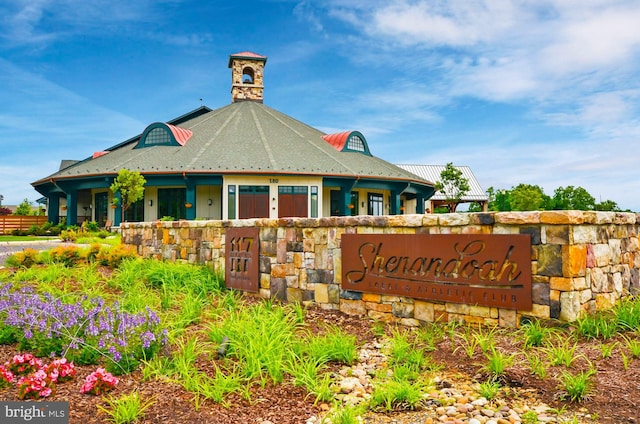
337 140
181 134
247 55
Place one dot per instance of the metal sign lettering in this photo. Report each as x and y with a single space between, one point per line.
242 259
477 269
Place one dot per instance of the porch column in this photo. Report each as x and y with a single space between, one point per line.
72 207
53 209
117 212
420 203
191 198
394 203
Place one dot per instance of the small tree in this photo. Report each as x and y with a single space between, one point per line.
571 197
130 185
453 185
5 211
24 208
527 197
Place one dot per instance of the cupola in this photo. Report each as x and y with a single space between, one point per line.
247 71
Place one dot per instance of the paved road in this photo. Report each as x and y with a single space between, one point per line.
9 247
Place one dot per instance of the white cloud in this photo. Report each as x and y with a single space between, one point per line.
44 124
452 23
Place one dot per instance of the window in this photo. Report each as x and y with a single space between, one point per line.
171 202
353 205
135 212
335 201
158 137
375 204
314 201
101 206
161 134
355 143
232 202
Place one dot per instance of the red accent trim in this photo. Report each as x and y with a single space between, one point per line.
338 140
181 134
98 154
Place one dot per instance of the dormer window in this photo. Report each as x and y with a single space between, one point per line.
348 141
247 75
355 143
161 134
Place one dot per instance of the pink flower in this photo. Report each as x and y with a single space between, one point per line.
98 382
24 364
60 370
6 376
35 385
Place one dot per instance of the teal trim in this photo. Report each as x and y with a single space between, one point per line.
178 180
364 143
72 208
117 218
53 213
163 126
190 197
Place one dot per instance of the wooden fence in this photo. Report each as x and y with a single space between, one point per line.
8 223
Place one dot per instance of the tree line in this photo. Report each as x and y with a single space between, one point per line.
523 197
528 197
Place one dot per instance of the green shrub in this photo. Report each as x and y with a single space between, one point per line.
69 256
27 258
92 226
68 235
115 255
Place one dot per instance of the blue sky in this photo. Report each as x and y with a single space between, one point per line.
542 92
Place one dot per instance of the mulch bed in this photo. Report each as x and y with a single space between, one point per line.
615 399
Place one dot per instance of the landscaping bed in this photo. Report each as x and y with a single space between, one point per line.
239 359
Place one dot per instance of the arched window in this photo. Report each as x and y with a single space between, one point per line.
158 137
247 75
348 141
161 134
355 143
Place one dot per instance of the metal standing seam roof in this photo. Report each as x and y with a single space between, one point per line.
241 138
432 173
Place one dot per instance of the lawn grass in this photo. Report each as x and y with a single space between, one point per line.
5 238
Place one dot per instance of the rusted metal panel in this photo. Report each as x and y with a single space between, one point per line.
242 260
477 269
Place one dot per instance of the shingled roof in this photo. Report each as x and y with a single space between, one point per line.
243 137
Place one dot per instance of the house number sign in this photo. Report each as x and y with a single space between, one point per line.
478 269
241 269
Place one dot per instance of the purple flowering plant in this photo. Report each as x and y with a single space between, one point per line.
83 331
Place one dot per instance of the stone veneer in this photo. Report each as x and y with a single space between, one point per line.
582 262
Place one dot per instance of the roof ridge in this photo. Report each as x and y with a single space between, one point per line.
263 138
207 143
315 145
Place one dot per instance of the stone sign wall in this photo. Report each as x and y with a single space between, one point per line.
580 262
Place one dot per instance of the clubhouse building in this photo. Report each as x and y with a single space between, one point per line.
244 160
